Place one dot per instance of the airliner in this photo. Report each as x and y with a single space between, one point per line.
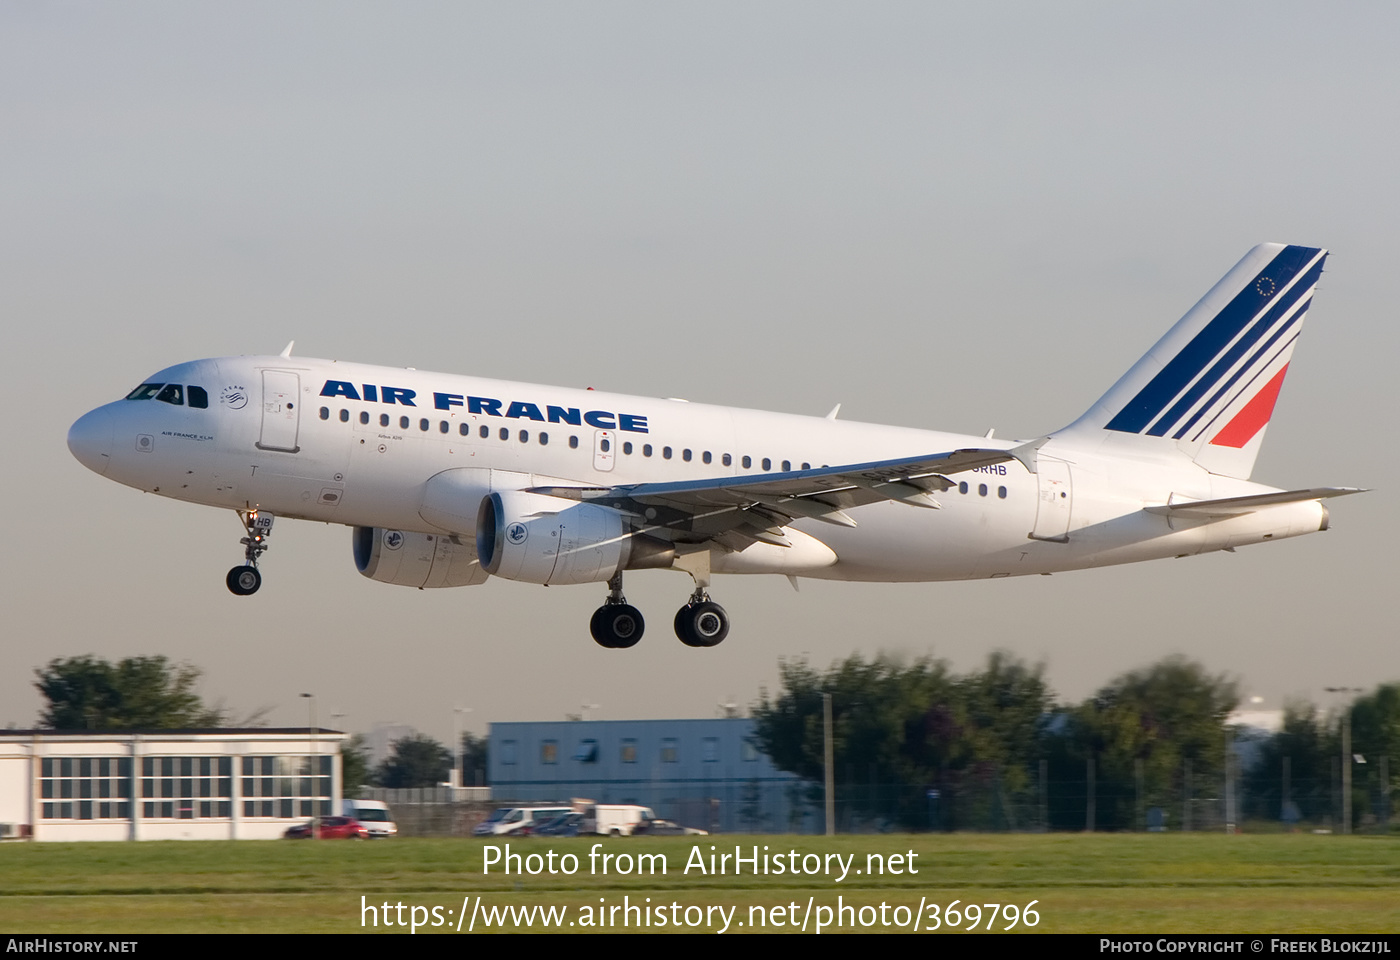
447 480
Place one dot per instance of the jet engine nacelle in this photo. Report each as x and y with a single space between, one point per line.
543 539
416 559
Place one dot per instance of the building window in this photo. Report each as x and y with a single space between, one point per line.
86 788
508 753
587 751
187 788
670 750
629 751
709 750
286 786
549 751
748 752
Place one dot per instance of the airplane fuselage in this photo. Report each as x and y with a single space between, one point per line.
357 445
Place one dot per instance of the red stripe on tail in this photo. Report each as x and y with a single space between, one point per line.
1253 417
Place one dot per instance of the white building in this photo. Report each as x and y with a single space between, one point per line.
220 784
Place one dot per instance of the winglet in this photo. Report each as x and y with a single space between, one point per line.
834 411
287 350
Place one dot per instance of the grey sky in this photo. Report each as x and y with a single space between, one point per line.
959 217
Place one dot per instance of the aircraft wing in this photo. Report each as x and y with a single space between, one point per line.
737 511
1234 506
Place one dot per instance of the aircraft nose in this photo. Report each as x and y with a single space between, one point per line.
90 439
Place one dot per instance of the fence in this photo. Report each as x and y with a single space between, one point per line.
1192 802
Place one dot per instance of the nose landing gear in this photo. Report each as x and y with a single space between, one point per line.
244 581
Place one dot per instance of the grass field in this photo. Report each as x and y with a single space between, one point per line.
1163 883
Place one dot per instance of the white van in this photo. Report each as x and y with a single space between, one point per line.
512 819
617 819
373 814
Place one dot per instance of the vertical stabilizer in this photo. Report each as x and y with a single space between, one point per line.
1210 384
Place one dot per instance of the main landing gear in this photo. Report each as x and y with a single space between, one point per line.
617 624
244 581
700 623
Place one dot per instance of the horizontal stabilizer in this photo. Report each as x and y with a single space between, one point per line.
1234 506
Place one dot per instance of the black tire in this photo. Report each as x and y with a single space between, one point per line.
703 624
243 581
617 626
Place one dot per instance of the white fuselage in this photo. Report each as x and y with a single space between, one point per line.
357 445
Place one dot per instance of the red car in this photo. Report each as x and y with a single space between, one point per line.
332 828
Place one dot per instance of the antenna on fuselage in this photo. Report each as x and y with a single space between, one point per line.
287 350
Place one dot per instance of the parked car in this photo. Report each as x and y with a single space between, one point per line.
512 819
332 828
567 825
668 828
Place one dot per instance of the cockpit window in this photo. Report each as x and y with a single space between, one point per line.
173 393
198 397
145 392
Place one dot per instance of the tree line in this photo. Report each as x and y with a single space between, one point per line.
919 747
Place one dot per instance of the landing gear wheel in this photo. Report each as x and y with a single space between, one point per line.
243 581
702 624
617 625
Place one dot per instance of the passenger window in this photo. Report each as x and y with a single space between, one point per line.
1001 492
524 436
573 443
403 423
364 417
728 460
685 455
443 427
646 449
198 397
627 447
787 465
962 487
767 464
705 456
605 444
981 489
485 431
383 419
344 416
325 413
464 430
505 434
423 424
173 394
748 461
544 439
666 452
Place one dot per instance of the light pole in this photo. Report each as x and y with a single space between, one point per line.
457 746
315 769
1346 754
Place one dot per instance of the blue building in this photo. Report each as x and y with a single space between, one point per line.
699 773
